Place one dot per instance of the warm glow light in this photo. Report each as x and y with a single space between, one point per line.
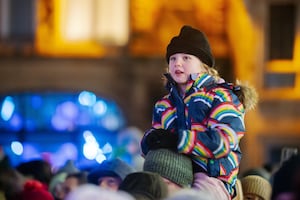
80 27
77 20
112 22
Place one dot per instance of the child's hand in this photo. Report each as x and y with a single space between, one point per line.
159 138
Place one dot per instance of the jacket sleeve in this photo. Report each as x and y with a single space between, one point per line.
221 130
160 120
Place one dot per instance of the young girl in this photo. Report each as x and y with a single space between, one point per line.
202 116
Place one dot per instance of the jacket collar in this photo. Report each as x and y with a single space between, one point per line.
197 81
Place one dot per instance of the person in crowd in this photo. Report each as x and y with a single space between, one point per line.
128 147
56 185
190 194
286 180
34 190
256 187
110 173
74 180
93 192
11 183
145 186
68 167
36 169
239 190
175 169
259 171
202 115
5 161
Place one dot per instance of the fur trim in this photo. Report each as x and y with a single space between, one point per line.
247 95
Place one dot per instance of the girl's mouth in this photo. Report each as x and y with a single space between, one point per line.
178 72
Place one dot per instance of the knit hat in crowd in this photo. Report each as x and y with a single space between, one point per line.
90 191
170 165
35 190
191 41
114 168
256 185
145 185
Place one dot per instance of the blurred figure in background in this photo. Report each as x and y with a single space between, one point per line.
110 173
34 190
11 183
190 194
92 192
128 147
56 184
36 169
239 190
256 187
286 180
74 180
145 186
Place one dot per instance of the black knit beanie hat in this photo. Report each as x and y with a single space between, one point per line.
191 41
173 166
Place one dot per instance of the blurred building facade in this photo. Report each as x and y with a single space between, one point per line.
116 49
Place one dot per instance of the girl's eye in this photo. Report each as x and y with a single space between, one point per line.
186 57
172 58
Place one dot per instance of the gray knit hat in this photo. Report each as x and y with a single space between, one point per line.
114 168
170 165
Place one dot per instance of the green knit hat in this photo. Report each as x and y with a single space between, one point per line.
170 165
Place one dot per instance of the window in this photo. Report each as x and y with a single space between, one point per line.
65 28
281 78
282 31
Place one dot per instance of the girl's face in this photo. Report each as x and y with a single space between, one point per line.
182 65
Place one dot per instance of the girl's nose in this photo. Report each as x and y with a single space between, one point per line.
178 62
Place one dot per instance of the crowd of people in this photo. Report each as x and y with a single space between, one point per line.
191 151
166 175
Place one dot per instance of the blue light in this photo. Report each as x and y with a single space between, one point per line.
111 122
89 137
68 151
68 110
91 146
30 152
100 108
100 158
107 148
17 148
16 122
36 101
8 108
59 123
90 151
87 98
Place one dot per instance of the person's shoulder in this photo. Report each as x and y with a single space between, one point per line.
165 100
218 88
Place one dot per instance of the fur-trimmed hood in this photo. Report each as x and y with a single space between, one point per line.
247 95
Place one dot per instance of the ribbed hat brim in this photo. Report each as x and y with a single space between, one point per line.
170 165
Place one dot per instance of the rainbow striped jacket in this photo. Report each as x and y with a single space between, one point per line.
210 123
